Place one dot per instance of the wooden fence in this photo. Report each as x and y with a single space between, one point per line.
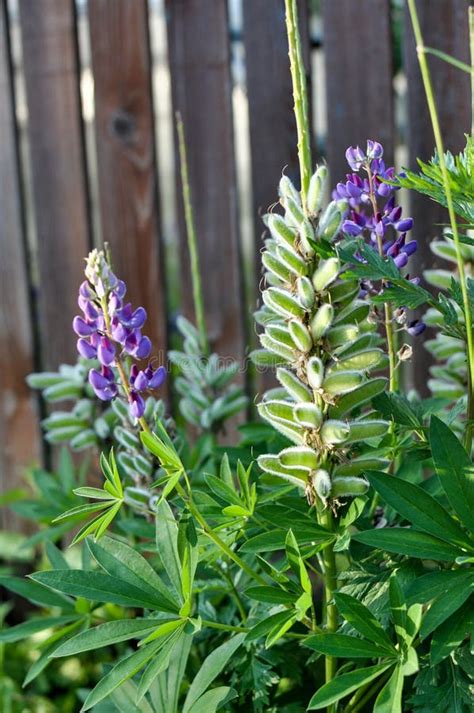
61 192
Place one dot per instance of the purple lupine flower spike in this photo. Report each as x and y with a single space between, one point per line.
108 330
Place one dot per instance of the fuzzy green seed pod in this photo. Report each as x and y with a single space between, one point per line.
326 273
341 382
330 222
343 292
316 190
299 457
276 267
360 430
263 358
345 487
358 397
296 389
280 231
282 303
305 292
322 321
288 428
292 260
353 313
286 190
294 215
307 236
342 334
315 372
84 439
334 432
271 464
300 335
280 333
277 348
367 359
282 410
322 484
360 465
308 415
366 341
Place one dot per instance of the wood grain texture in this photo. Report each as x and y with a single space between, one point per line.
272 125
126 154
48 31
444 26
201 89
19 430
358 53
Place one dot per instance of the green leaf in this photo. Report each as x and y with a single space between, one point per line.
271 541
417 506
270 595
55 556
32 626
87 492
453 466
398 608
163 629
210 669
223 490
96 586
431 585
212 700
278 631
362 619
451 633
296 562
167 546
157 664
343 646
35 592
122 671
406 541
106 634
270 622
389 699
123 562
344 684
84 509
443 607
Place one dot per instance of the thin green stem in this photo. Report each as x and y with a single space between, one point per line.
330 586
425 73
300 96
471 44
191 236
224 627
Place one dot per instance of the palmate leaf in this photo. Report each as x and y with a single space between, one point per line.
389 700
403 293
362 619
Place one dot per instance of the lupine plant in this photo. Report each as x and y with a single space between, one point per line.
329 565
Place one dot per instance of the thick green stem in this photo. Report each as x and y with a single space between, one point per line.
330 585
425 73
300 96
192 237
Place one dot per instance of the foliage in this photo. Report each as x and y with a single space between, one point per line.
321 561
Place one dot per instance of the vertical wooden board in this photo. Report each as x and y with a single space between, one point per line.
19 433
273 139
48 32
358 55
444 26
201 89
126 154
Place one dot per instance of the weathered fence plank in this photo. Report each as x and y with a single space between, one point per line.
201 88
48 31
444 26
271 119
19 431
358 52
126 153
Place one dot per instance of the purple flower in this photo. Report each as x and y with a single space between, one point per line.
416 327
103 383
108 330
